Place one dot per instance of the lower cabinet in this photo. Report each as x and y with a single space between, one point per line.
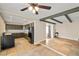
7 41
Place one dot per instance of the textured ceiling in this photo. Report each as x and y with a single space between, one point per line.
12 14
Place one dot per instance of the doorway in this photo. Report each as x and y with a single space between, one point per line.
50 30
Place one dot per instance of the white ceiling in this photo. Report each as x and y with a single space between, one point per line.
12 14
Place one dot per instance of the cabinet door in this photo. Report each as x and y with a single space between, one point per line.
7 42
4 42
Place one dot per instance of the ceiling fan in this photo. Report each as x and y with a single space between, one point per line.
34 7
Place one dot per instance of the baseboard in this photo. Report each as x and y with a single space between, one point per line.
67 38
38 42
35 43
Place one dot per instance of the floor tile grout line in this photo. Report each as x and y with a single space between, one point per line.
54 50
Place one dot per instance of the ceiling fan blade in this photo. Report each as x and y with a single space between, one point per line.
44 7
24 9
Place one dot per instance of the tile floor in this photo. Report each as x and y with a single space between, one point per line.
21 45
24 48
65 46
40 51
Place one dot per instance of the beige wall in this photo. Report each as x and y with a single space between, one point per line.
2 25
68 30
39 31
2 28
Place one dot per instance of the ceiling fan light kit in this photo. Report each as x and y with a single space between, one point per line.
30 8
33 11
34 7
